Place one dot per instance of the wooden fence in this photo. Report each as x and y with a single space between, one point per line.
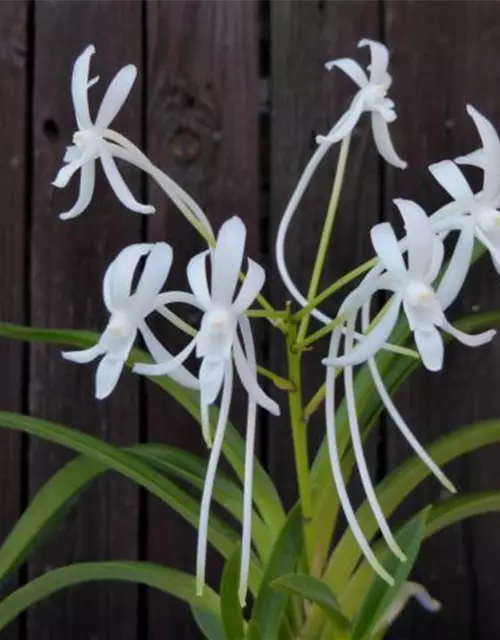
229 97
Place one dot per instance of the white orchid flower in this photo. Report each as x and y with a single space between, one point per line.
129 309
219 347
371 98
481 207
408 590
95 140
412 288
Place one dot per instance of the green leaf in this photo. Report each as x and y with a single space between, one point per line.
398 485
460 508
270 603
381 594
253 631
221 536
232 617
176 583
208 623
318 592
265 494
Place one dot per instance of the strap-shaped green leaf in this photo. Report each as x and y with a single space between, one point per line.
208 623
460 508
310 588
231 614
265 494
268 611
176 583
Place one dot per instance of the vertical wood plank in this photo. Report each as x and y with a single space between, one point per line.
13 281
444 55
307 100
68 261
202 129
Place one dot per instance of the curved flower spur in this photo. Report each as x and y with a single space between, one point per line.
94 140
129 309
372 98
218 345
412 288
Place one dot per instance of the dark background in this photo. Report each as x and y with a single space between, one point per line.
229 98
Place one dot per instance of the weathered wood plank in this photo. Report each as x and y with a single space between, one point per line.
444 55
202 128
13 282
68 260
307 100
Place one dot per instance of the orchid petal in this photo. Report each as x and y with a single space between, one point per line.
383 141
117 283
177 297
437 259
167 367
491 158
408 589
249 381
420 237
66 172
474 159
379 59
346 123
451 178
430 346
87 184
197 278
108 372
201 551
154 275
351 68
115 96
388 249
118 185
251 287
211 377
83 356
227 258
470 340
79 88
458 267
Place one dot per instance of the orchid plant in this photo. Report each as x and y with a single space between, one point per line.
282 577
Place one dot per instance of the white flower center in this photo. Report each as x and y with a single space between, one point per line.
120 325
419 294
86 138
219 321
489 220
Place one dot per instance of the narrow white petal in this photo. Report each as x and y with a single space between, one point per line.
158 352
227 258
85 355
108 372
201 552
153 276
437 259
351 68
430 346
197 278
177 297
211 377
346 123
451 178
373 341
420 238
379 60
388 249
79 87
118 185
72 153
66 172
491 158
408 589
383 142
360 456
115 96
458 267
469 339
474 159
337 470
87 183
117 282
405 430
251 287
168 366
249 381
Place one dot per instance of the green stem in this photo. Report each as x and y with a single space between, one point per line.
324 241
299 436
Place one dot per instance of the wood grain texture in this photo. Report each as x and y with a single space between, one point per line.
444 55
202 129
13 161
68 260
307 100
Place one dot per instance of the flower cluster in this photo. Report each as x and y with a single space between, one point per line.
412 270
